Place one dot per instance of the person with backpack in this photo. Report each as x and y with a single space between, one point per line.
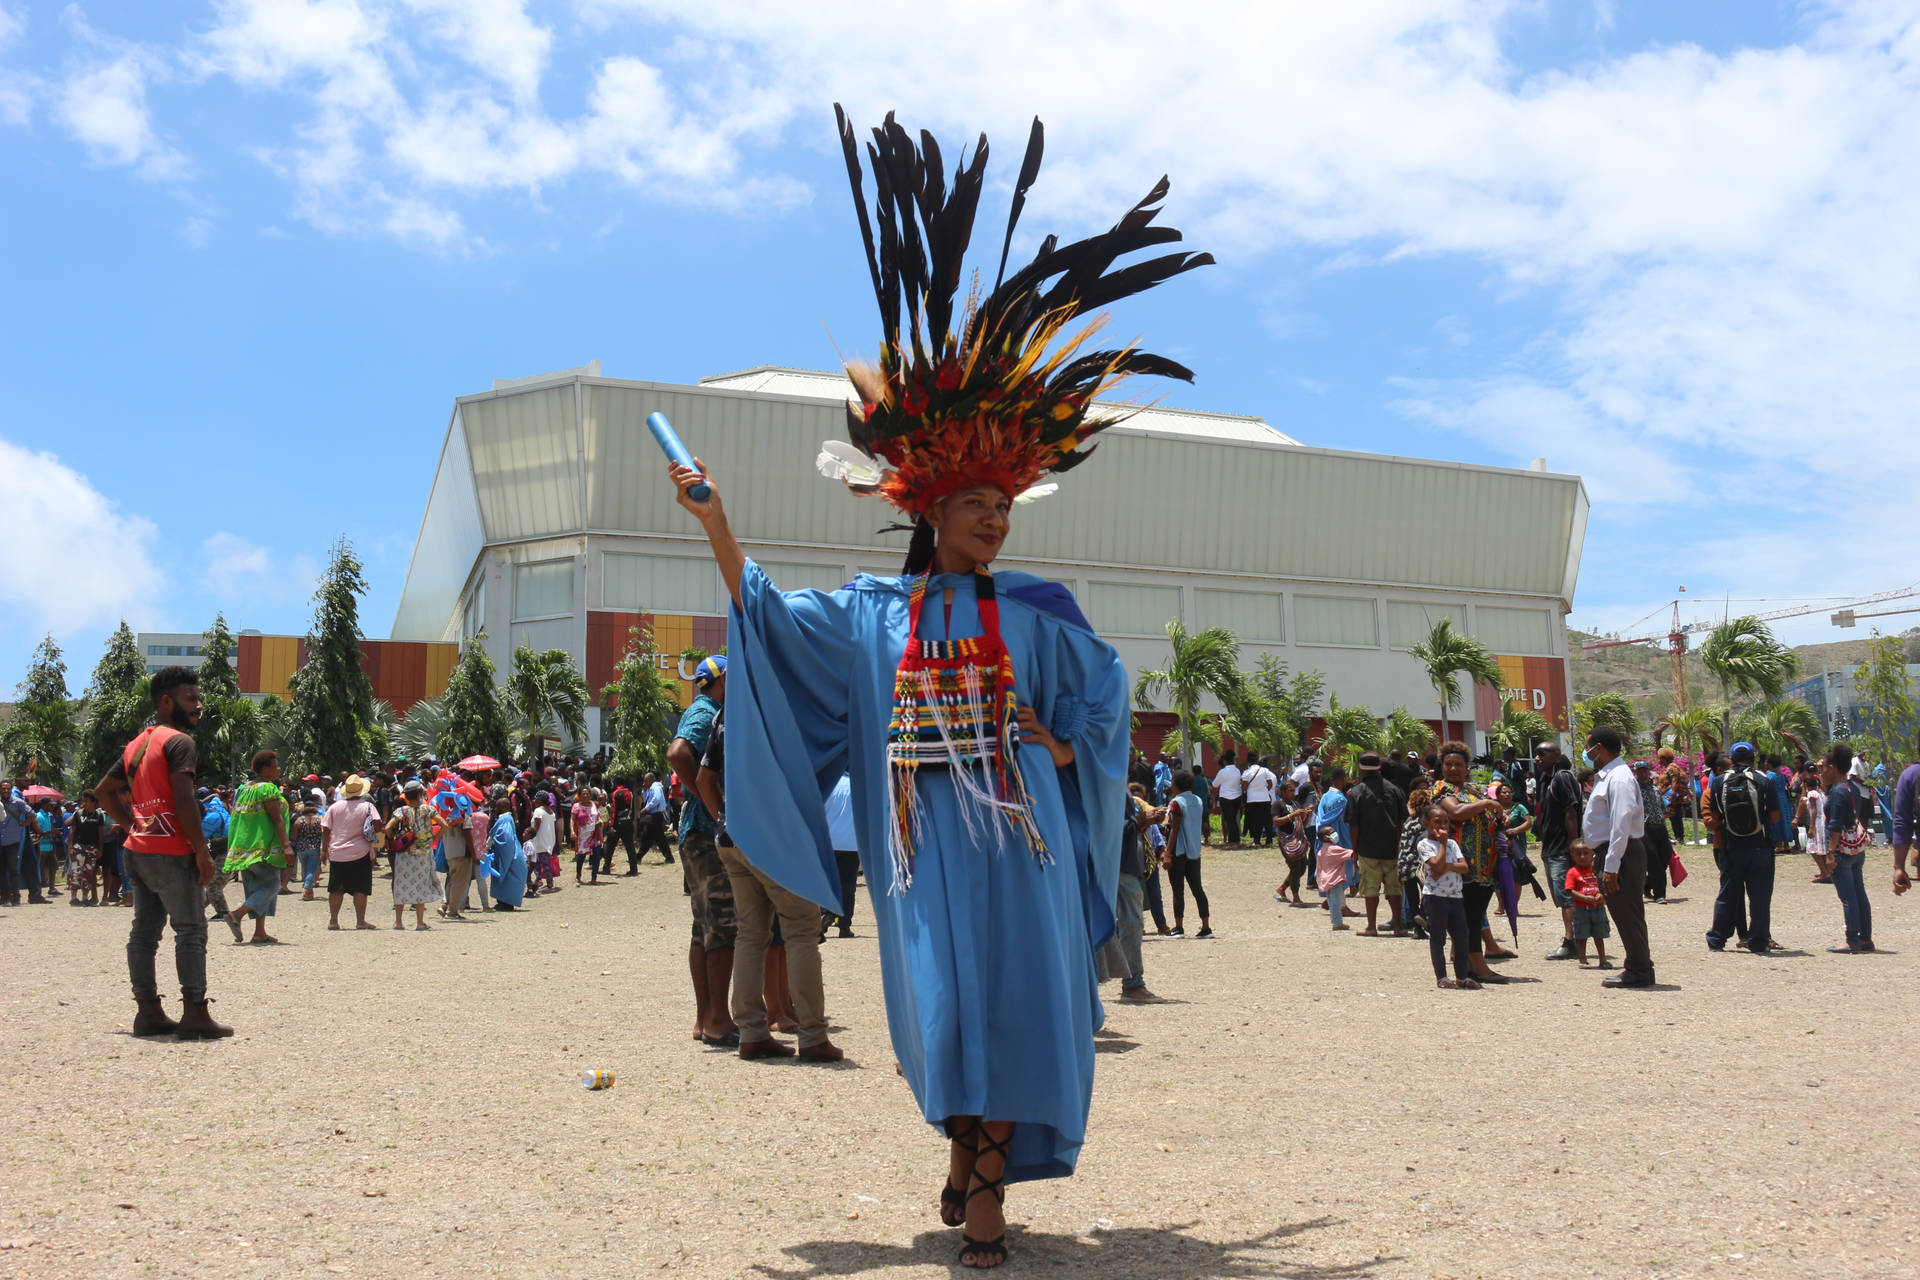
1742 804
1848 835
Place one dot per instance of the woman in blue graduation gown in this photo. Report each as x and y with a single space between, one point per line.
986 948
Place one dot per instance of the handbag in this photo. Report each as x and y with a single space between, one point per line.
1676 870
1856 838
1294 847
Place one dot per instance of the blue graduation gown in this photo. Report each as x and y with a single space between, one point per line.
509 861
987 958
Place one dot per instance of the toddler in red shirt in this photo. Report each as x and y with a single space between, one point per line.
1589 905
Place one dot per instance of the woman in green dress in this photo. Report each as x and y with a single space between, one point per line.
258 849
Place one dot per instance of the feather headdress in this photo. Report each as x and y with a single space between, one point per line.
1002 397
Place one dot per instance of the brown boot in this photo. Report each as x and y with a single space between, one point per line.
196 1023
825 1051
152 1019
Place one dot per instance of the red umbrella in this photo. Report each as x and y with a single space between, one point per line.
478 764
35 795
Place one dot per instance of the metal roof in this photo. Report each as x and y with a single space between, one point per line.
1171 491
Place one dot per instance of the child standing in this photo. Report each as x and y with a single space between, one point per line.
1442 864
1589 907
586 832
1411 861
1332 876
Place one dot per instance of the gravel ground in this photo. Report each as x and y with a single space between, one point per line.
1302 1104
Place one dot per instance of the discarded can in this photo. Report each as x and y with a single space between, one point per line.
601 1079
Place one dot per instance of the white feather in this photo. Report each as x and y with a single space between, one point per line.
1036 492
839 460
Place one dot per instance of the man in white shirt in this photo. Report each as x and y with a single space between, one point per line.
1303 771
1612 827
1259 784
1228 795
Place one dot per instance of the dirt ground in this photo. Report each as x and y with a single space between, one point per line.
1302 1104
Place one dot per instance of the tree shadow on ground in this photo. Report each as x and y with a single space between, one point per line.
1141 1253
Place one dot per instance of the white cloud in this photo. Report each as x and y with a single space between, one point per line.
17 88
103 104
234 569
73 557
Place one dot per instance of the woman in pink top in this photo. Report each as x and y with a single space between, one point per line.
351 823
586 833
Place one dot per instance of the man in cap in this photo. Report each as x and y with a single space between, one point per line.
1742 803
710 959
1375 810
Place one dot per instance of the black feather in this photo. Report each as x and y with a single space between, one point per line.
1029 170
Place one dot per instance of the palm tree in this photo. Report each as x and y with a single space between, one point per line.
1788 725
1446 653
1205 662
1404 731
1694 726
1746 658
418 734
1520 728
1350 731
546 690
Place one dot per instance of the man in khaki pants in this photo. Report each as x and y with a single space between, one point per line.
756 901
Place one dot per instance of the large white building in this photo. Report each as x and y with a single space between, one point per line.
550 523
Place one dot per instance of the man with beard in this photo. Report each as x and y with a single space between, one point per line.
149 790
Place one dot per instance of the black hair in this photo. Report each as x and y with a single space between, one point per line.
919 549
1337 774
1226 757
1605 735
1840 756
264 757
1183 781
167 679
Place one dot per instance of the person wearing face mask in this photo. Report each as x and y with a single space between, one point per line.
1613 823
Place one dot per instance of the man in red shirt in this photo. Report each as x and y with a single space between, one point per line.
149 791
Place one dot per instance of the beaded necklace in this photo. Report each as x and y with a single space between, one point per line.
953 709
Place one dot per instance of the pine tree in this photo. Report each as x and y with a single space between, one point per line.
332 714
638 711
476 714
116 705
219 691
45 727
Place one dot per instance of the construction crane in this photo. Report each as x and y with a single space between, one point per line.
1677 632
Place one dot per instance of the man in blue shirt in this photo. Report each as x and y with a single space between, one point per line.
1185 819
653 818
710 960
846 855
1905 792
213 825
1746 853
19 855
1162 779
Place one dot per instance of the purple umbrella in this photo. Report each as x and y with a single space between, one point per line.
1509 896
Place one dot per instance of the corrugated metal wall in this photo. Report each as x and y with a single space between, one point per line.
525 452
1146 501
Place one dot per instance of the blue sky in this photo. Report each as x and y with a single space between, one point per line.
255 247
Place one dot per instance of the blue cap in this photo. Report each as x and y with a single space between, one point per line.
709 670
1738 747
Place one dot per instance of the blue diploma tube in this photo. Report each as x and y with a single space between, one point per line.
669 442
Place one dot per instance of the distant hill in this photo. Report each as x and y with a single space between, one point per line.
1645 674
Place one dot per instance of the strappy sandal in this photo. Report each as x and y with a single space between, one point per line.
986 1254
953 1200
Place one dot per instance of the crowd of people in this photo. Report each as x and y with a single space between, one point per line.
1444 839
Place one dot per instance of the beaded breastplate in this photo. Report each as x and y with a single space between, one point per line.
953 709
